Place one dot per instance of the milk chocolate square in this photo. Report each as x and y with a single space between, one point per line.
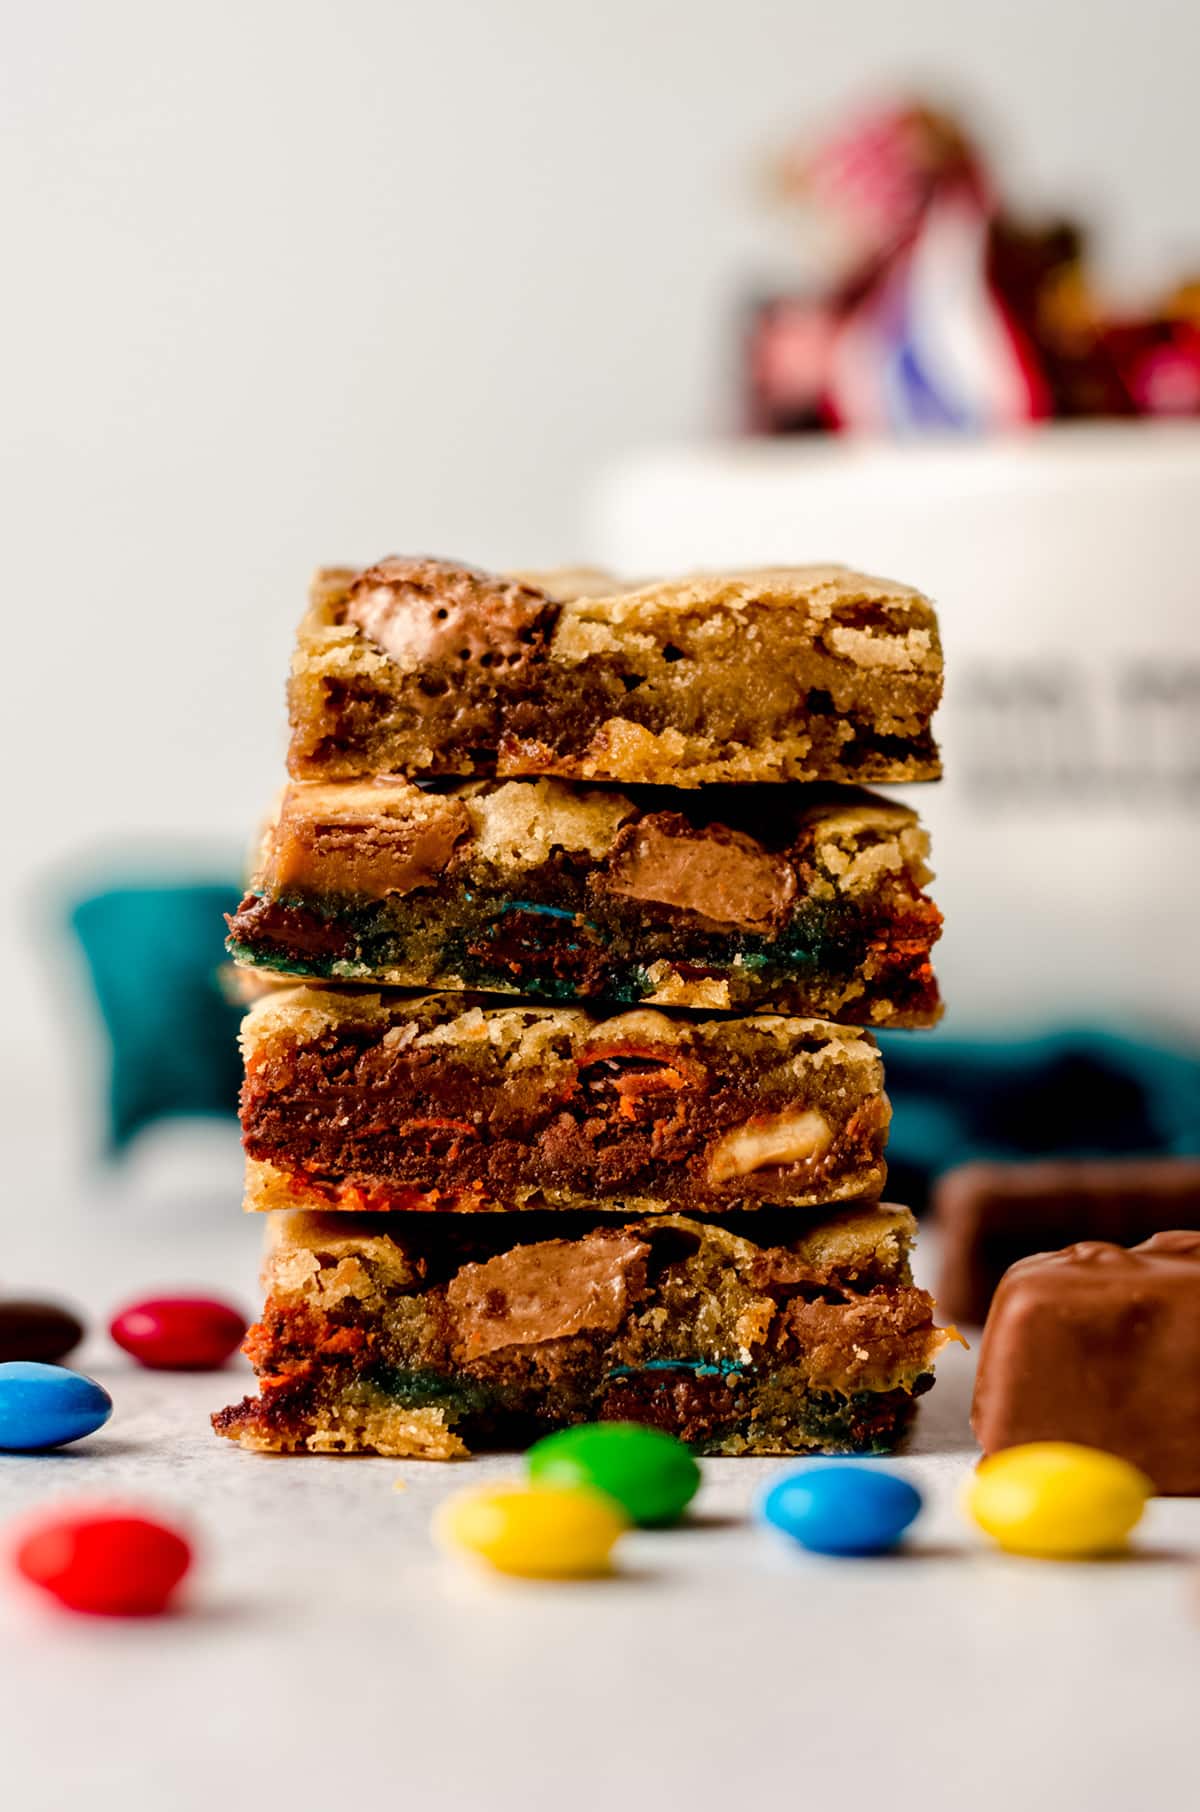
990 1215
1099 1344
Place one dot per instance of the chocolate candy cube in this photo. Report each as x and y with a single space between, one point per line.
990 1215
1099 1344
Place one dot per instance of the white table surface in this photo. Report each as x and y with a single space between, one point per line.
329 1658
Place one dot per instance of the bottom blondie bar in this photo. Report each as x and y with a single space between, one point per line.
431 1336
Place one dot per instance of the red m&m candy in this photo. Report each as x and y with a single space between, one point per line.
117 1564
179 1333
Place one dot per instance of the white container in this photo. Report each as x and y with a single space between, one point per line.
1065 563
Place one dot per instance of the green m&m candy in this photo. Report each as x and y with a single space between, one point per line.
651 1475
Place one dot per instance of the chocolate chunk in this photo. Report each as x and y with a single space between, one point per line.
1101 1345
288 931
423 611
37 1330
346 846
693 1406
522 945
722 875
545 1291
990 1215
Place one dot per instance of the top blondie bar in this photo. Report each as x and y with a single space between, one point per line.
426 668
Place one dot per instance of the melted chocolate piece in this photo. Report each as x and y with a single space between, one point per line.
289 933
1100 1345
990 1215
545 1291
693 1405
723 876
371 857
423 612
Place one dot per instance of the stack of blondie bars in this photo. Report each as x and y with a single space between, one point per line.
559 1093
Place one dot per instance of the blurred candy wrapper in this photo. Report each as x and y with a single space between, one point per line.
949 313
154 950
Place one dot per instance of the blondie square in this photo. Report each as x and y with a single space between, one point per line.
427 667
795 899
386 1102
431 1337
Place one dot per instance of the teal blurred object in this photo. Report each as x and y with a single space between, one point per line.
154 952
1084 1092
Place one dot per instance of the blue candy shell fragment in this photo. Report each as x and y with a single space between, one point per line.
44 1406
842 1509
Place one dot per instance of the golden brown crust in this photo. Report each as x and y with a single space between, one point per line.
876 622
389 1430
529 1037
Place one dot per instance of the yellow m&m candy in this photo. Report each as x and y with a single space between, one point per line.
1056 1500
538 1532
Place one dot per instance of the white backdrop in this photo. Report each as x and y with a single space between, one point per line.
288 280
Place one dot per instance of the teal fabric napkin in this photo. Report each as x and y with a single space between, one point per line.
154 953
1080 1091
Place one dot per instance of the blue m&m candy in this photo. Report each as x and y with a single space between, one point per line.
842 1509
47 1406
